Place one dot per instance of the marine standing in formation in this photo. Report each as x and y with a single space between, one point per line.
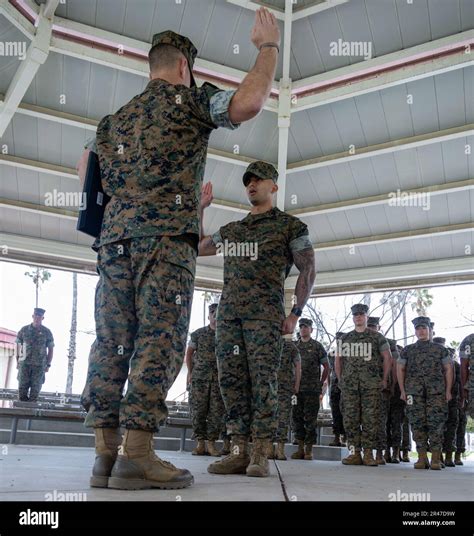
207 407
335 400
363 366
152 155
373 324
34 354
305 412
251 316
450 427
425 376
466 354
289 378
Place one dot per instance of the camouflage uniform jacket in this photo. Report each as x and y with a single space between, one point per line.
313 355
203 341
424 362
35 341
254 281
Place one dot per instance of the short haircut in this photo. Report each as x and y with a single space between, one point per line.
163 56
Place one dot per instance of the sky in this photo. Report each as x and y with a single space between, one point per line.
452 311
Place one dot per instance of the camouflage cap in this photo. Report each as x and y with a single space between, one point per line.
306 322
439 340
421 321
182 43
373 321
431 325
359 308
260 169
38 311
213 307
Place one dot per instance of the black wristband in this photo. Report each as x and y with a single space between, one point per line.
274 45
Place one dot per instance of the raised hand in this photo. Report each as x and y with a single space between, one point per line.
206 195
265 28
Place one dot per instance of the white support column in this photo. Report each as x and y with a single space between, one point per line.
284 107
36 55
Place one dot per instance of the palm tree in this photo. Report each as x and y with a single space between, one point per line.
39 276
423 300
71 354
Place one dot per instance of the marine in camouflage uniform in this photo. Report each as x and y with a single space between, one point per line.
451 424
335 400
396 432
363 365
385 428
466 354
207 407
288 378
152 156
460 430
466 403
425 379
34 354
305 412
251 316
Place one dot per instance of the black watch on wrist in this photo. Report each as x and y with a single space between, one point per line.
297 311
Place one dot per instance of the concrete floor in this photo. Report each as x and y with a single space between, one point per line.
30 473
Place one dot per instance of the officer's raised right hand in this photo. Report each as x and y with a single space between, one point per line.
265 29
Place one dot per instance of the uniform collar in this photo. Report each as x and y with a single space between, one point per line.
272 213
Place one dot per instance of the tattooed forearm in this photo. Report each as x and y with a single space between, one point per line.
304 261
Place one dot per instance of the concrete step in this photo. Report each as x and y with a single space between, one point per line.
64 439
322 452
75 427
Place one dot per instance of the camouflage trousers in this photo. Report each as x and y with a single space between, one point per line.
207 407
427 414
337 418
383 419
396 414
406 439
450 426
142 310
361 416
285 398
305 416
30 380
470 404
461 431
248 358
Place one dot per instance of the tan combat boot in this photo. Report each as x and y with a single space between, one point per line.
107 442
405 456
308 451
436 460
200 449
138 467
212 449
258 465
271 451
396 455
457 459
225 446
353 459
336 442
236 462
280 451
422 462
379 459
368 458
299 454
448 459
